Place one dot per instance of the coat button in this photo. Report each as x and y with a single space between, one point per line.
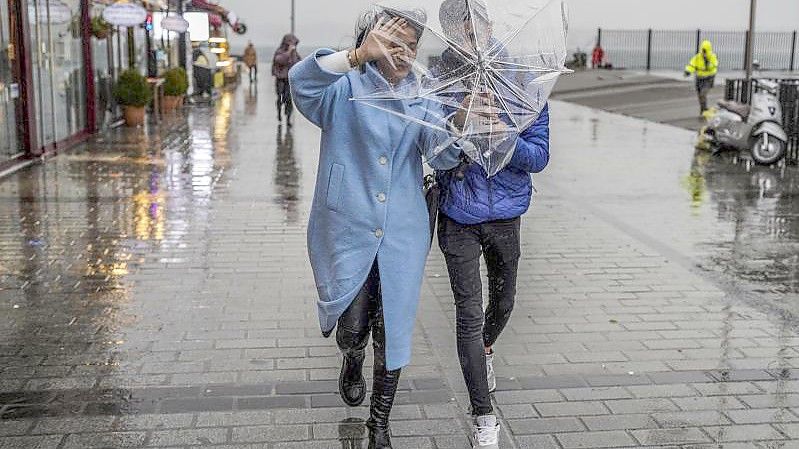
378 233
382 160
381 197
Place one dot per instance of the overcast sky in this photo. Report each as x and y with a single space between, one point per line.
330 22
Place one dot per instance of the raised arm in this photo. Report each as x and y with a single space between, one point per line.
317 89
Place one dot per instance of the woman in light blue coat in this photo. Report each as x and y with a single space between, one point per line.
369 232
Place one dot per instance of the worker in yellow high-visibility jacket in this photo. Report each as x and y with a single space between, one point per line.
705 65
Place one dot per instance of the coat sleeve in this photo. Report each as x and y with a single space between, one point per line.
316 91
532 147
438 146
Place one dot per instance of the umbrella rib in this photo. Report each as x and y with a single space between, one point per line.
449 41
476 42
384 95
530 68
501 100
409 117
447 85
513 88
512 35
471 100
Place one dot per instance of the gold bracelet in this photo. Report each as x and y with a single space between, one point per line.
352 58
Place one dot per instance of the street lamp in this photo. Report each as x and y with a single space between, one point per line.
293 14
750 41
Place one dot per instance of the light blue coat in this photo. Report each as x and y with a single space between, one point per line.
368 201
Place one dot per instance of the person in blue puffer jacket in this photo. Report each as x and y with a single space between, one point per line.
478 215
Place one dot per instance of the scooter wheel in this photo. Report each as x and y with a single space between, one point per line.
767 150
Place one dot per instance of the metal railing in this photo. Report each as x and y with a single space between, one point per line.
672 49
740 90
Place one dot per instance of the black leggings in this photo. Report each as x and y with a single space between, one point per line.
365 314
462 245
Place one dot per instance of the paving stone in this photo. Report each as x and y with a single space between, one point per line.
748 432
74 425
36 442
595 393
271 433
761 416
690 419
554 409
658 437
527 396
536 442
189 437
619 422
652 405
544 425
613 438
103 440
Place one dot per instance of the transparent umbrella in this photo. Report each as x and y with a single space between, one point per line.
483 68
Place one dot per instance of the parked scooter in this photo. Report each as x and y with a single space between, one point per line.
756 128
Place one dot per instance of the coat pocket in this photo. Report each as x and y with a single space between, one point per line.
334 186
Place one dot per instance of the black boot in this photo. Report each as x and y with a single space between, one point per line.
384 389
351 384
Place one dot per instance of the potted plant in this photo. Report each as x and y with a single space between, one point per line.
100 28
133 93
176 83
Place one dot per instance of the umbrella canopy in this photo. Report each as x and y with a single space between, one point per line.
487 67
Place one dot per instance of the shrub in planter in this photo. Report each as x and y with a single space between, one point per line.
132 92
100 28
176 83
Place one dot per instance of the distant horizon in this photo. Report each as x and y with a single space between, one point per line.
321 22
576 35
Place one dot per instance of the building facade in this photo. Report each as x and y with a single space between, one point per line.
48 90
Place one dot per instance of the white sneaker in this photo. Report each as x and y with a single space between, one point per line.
492 378
486 432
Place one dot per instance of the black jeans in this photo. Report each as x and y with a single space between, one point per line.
365 314
703 87
462 245
284 97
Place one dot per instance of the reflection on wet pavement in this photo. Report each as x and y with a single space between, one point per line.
723 212
155 291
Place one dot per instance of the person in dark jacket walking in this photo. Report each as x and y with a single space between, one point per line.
285 58
480 215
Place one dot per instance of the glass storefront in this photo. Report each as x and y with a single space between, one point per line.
58 78
9 90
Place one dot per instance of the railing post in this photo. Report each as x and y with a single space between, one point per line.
599 37
746 48
793 51
698 40
649 50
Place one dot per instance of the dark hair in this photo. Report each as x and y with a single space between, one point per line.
416 18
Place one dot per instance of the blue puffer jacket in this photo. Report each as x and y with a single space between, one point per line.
476 198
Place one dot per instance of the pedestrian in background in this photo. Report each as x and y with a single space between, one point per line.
251 61
369 231
480 215
285 58
705 65
597 56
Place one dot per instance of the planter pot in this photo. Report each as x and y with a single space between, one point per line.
134 115
101 34
172 102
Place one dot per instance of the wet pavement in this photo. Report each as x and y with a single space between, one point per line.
155 292
658 97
